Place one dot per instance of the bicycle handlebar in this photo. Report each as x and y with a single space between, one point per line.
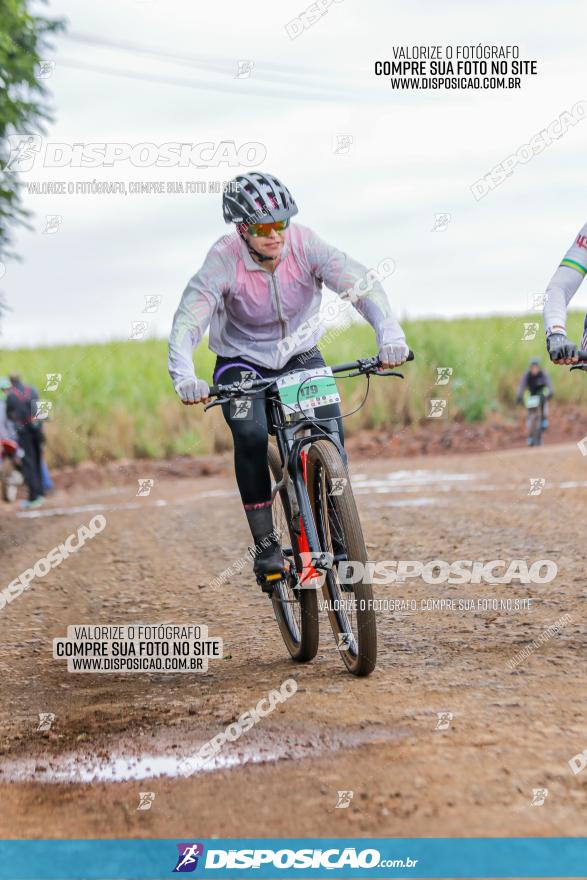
582 359
355 365
364 366
581 354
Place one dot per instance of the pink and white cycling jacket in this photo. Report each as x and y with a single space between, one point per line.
265 317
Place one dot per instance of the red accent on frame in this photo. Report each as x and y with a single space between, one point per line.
304 547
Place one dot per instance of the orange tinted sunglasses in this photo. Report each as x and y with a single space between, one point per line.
265 229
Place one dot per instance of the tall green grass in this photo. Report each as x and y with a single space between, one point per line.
115 400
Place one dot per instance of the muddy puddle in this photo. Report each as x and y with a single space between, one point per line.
79 767
411 481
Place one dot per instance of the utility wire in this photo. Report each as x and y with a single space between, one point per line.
208 61
245 88
263 70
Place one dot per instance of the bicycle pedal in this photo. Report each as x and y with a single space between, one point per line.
267 582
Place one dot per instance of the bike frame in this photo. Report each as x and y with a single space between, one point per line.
292 452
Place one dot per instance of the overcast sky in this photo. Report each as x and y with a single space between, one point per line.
413 154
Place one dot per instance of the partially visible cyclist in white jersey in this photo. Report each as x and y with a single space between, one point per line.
259 290
563 286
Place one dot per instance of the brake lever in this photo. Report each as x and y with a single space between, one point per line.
208 406
388 373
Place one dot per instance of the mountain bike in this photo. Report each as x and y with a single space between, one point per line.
314 512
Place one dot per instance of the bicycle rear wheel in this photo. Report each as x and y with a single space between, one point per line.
296 610
350 610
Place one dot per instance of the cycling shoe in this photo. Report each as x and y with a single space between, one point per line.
270 564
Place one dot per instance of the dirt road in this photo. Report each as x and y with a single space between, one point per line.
502 732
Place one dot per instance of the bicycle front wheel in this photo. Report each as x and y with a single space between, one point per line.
350 607
535 427
296 610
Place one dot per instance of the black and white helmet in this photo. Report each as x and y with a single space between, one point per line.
257 198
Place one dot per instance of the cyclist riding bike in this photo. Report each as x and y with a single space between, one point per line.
259 290
563 286
537 382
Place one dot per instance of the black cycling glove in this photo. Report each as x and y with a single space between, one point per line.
560 348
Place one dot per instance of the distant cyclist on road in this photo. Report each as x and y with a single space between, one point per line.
259 290
563 286
536 381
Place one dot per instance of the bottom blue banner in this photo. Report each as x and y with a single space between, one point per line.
300 857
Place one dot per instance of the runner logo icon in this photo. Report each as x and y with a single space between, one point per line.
187 860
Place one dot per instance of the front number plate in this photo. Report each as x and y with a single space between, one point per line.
307 389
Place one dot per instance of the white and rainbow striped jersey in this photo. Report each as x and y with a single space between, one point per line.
564 284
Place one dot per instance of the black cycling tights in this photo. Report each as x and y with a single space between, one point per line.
251 434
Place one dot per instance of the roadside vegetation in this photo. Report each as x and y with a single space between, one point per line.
115 400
